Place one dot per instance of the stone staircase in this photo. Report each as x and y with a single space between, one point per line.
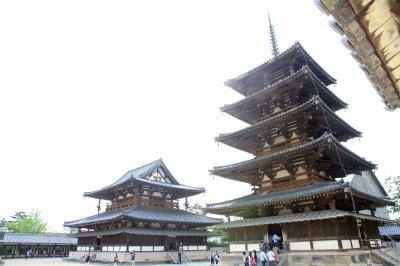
387 258
174 257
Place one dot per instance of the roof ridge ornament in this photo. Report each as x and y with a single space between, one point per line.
272 37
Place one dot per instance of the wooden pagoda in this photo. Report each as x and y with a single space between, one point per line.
295 137
143 215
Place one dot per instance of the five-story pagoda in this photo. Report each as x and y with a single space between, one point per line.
295 137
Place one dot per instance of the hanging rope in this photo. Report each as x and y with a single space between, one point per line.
324 115
338 155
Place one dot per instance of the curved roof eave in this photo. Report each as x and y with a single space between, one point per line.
295 46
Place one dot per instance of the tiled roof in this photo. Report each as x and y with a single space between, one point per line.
296 217
389 230
41 239
325 138
315 100
296 46
305 70
290 195
140 175
271 198
147 231
147 213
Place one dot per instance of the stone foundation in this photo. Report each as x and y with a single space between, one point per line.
327 258
140 256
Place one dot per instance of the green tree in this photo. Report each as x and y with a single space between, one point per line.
32 222
393 186
195 208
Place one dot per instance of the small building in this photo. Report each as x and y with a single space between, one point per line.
390 232
15 245
143 215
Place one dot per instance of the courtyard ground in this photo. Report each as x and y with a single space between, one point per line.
60 262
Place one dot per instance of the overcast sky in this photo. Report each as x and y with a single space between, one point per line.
92 89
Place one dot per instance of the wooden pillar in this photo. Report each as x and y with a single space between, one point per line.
284 233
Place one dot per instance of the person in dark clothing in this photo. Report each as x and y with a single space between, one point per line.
87 259
255 255
212 258
179 257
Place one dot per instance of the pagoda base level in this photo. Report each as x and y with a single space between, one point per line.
321 258
154 256
314 245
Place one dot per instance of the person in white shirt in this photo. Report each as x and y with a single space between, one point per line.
271 258
263 258
276 239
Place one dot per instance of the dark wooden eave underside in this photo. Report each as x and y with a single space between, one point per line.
313 192
145 214
305 76
246 171
343 131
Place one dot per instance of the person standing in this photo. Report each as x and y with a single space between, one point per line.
179 257
212 258
87 259
271 258
263 258
255 255
252 260
116 260
246 259
216 257
133 258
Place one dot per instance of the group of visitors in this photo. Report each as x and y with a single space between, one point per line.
88 259
214 257
270 257
250 258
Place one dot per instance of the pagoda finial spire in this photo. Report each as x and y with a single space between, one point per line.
272 36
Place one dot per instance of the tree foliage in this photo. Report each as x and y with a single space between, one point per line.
393 185
27 223
195 208
219 241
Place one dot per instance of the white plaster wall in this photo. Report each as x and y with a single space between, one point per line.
237 247
134 248
326 245
355 243
346 244
158 248
192 247
253 246
147 248
202 248
300 245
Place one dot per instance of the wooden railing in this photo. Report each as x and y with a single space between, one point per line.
285 185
